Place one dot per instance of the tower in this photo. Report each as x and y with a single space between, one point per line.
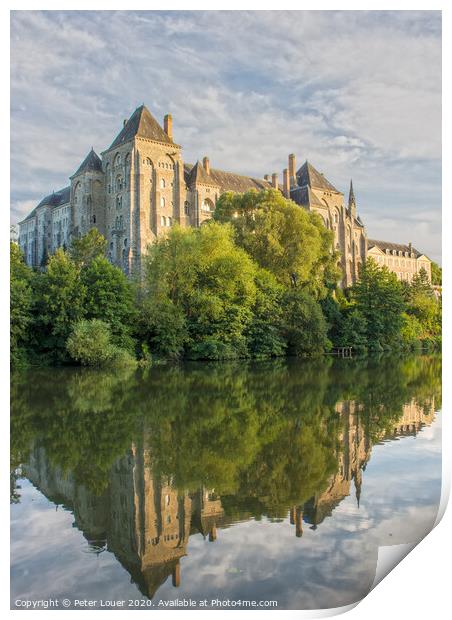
144 187
87 196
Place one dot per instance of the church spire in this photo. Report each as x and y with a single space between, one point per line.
351 199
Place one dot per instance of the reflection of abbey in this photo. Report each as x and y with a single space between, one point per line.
141 186
146 522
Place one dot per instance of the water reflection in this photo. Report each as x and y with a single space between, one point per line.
147 459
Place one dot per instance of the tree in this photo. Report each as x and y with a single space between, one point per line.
378 298
264 333
20 305
110 297
420 285
206 284
304 325
281 237
87 248
437 274
90 343
59 302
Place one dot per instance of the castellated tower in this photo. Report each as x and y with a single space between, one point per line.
87 197
144 182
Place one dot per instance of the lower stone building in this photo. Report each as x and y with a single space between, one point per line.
404 260
140 186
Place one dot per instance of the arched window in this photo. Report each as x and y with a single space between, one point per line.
117 159
162 202
118 183
118 202
187 208
207 206
162 183
94 218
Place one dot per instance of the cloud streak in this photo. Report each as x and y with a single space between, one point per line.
357 93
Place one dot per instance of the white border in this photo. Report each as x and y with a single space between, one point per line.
419 586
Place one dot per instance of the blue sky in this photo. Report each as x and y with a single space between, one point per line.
358 94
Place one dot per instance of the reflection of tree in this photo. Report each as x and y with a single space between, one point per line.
265 434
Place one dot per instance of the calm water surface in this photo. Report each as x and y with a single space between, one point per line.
272 481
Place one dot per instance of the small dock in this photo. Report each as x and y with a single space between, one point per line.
343 351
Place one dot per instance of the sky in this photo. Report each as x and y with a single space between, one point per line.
356 93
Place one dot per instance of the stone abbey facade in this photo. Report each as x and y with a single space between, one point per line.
140 186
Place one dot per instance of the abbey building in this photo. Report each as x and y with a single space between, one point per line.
140 186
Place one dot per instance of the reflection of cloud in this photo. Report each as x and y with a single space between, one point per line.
365 105
328 567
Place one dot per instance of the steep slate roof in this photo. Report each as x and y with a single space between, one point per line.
387 245
226 181
304 196
53 200
91 162
144 125
198 174
308 175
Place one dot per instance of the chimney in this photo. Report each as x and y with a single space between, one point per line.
168 125
275 180
286 183
206 164
125 122
292 171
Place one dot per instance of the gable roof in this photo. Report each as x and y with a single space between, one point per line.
388 245
308 175
198 174
225 181
55 199
305 197
91 162
143 125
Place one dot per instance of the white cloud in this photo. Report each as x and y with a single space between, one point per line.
356 93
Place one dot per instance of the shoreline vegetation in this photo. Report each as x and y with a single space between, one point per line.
257 281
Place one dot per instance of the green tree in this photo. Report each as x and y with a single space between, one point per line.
20 306
264 333
90 343
437 274
87 248
60 297
420 285
281 237
110 297
378 297
304 325
207 285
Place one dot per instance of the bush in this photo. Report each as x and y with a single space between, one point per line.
90 344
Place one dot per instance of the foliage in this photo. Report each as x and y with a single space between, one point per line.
437 274
111 298
378 298
84 250
20 306
304 325
205 284
281 237
264 333
90 343
59 303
